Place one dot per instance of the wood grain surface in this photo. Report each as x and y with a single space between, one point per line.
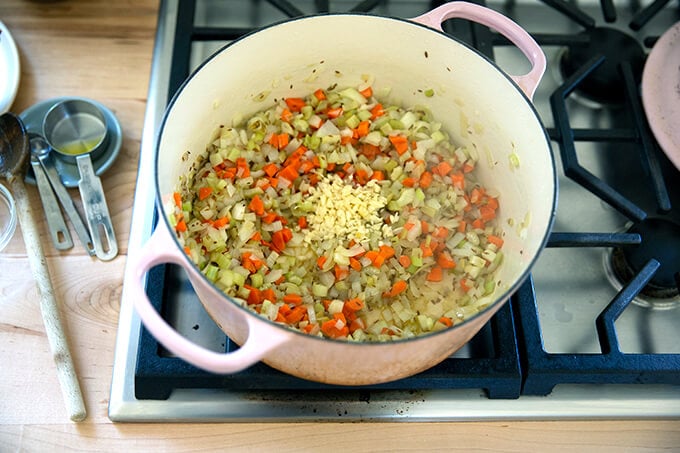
102 50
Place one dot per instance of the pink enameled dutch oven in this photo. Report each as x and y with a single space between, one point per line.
478 104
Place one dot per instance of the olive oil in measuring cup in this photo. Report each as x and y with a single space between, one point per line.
76 129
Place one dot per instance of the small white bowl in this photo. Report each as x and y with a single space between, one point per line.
8 217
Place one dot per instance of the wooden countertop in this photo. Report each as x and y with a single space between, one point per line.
102 50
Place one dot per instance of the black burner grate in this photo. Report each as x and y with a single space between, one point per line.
507 356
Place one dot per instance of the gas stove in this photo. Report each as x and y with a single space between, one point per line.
591 334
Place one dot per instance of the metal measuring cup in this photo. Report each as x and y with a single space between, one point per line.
77 130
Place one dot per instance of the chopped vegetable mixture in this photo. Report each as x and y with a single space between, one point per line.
342 217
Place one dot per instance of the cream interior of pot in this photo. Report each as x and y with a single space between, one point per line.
478 105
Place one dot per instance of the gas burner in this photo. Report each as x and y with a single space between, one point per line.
605 84
661 241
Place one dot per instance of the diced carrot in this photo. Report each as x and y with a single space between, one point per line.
181 226
425 180
354 304
443 168
286 115
187 250
424 226
441 232
361 176
270 169
355 264
242 166
363 128
400 143
427 250
256 205
283 309
330 328
378 175
257 236
296 315
204 192
405 260
386 251
280 238
497 241
478 224
178 199
445 261
320 261
487 213
467 168
319 94
295 104
492 202
334 112
462 226
370 151
446 321
221 222
377 111
398 287
302 222
292 298
268 294
269 217
253 295
464 285
357 324
408 182
367 92
289 173
341 272
435 274
371 255
458 180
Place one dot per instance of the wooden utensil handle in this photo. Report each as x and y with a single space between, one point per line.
48 305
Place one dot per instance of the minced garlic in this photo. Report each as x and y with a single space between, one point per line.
345 211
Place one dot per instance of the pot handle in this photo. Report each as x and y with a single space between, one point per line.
485 16
161 249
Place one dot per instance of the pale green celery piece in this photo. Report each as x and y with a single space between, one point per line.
186 206
234 153
489 286
438 136
215 159
417 257
257 279
408 119
173 220
352 122
210 272
429 92
319 290
307 111
391 165
354 95
373 138
364 114
300 125
396 124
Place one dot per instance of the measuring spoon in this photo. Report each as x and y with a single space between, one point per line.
61 237
77 129
40 149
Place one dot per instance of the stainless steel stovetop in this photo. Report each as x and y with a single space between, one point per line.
572 284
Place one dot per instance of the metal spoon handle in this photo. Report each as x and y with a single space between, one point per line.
48 305
96 210
67 203
61 237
